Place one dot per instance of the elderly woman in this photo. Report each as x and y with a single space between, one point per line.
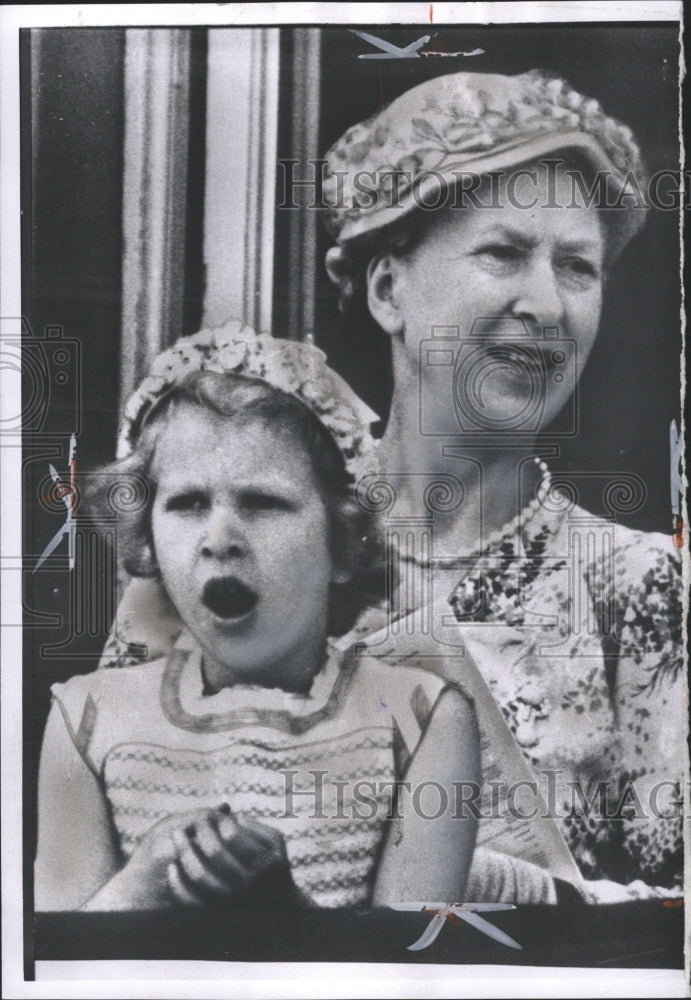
478 215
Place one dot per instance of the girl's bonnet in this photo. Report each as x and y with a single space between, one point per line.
298 369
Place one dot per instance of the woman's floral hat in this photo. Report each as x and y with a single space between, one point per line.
297 369
472 123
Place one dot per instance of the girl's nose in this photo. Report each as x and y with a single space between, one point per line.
224 537
539 300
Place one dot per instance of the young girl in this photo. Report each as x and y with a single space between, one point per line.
254 761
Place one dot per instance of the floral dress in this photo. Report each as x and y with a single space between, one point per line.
574 623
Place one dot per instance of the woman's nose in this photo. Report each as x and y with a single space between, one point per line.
224 536
539 300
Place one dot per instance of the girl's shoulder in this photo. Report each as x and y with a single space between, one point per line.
108 689
406 687
106 707
401 694
397 676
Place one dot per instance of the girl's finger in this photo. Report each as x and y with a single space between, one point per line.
179 889
226 824
257 846
217 853
271 839
199 873
263 833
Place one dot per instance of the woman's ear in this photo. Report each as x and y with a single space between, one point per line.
382 298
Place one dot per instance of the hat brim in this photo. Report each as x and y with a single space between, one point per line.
426 190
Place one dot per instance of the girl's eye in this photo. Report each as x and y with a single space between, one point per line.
191 501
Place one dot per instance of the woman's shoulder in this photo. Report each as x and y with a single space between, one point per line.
625 561
640 560
640 552
633 547
636 587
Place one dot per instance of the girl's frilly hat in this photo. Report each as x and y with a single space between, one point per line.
472 123
297 369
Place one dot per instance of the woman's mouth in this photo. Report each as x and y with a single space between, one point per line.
228 597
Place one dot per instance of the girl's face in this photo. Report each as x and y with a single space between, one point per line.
241 537
478 271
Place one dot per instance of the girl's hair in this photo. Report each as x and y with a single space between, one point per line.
355 541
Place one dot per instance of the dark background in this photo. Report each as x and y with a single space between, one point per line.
72 163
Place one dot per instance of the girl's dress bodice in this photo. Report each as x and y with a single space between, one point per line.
320 767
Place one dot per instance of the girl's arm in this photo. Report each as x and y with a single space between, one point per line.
428 859
190 858
77 850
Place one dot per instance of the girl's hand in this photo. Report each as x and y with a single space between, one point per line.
220 859
196 858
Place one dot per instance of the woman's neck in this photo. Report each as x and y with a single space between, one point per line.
481 487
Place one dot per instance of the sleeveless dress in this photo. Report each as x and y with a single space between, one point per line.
321 768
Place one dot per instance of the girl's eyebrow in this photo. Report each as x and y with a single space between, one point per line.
271 486
188 486
248 486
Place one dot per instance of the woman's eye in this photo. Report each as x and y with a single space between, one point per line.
192 501
501 252
580 267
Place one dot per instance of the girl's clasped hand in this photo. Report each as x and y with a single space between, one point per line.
199 858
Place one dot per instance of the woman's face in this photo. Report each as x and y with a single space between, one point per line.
241 537
483 297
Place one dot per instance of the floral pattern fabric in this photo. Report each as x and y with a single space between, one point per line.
465 123
575 624
297 369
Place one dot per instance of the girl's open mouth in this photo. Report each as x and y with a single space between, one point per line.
228 597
